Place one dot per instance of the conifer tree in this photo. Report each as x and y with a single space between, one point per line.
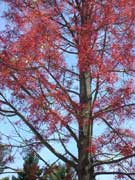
5 178
31 170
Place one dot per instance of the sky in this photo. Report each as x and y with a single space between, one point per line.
2 9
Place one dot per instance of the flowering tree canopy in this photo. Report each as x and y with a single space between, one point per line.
67 71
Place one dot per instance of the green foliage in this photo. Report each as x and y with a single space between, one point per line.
3 157
5 178
31 170
57 172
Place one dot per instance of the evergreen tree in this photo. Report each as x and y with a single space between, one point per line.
5 178
31 170
4 152
59 172
56 172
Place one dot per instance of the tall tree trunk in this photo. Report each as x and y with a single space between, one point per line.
85 169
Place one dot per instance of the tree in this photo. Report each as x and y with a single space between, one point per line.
31 170
5 178
2 152
68 68
4 157
59 172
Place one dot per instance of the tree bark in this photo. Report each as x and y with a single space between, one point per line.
85 169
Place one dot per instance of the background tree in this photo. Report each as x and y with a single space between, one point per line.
55 172
67 72
31 170
5 178
4 157
59 172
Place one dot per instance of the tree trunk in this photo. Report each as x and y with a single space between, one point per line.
85 169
